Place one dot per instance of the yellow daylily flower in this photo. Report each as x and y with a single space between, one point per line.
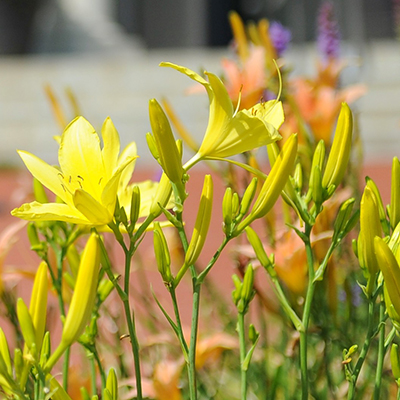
87 180
229 132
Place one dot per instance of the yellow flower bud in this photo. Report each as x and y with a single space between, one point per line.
318 160
298 177
5 352
394 214
161 252
248 197
83 298
258 247
27 327
390 270
274 183
112 384
169 157
151 144
369 228
200 228
33 236
162 196
39 192
317 192
85 291
247 293
58 392
395 318
394 360
38 305
227 214
340 152
135 206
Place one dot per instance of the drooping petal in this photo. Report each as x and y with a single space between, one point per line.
36 211
130 151
111 147
94 211
80 155
45 174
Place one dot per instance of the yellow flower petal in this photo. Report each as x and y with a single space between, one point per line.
111 146
130 151
45 174
91 208
49 212
80 156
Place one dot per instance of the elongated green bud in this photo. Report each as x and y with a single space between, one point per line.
298 177
27 327
18 364
151 144
247 293
227 214
5 352
135 206
340 152
369 228
39 192
162 255
390 270
46 349
162 196
394 360
85 291
372 185
58 392
318 160
317 191
74 259
33 236
236 293
83 298
248 197
235 203
105 288
170 159
107 395
38 305
112 384
341 225
258 247
395 194
274 183
200 228
393 315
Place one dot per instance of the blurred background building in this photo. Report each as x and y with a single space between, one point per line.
108 52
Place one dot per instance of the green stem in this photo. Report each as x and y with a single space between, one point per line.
381 351
364 350
130 320
306 315
242 348
179 323
193 340
93 374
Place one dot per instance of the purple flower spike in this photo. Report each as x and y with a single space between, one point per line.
280 37
328 32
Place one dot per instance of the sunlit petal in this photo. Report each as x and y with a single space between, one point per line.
36 211
80 155
111 146
45 174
